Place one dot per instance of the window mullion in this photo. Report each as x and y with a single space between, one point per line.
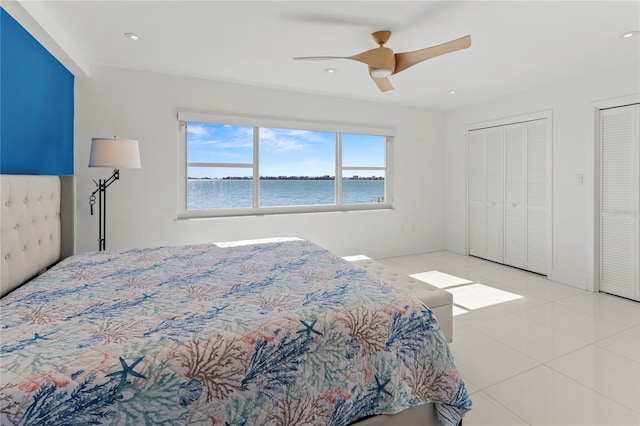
338 173
183 169
256 167
388 164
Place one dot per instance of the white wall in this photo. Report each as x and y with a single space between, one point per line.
142 205
573 147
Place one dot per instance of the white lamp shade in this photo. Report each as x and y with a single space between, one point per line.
115 152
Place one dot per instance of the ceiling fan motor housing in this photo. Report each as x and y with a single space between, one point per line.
381 37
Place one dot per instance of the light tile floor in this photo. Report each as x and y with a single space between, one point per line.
533 351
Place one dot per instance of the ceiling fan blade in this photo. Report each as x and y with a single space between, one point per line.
321 58
405 60
379 57
383 83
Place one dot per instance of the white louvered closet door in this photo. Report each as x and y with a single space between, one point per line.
620 201
495 195
477 193
536 197
508 194
514 219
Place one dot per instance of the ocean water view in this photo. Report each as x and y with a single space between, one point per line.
204 194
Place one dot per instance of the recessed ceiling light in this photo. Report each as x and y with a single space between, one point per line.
453 92
330 70
132 36
630 34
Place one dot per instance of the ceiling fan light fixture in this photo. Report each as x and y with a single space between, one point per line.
381 72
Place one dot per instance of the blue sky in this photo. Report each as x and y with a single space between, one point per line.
283 152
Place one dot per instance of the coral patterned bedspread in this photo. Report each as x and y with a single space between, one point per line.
279 333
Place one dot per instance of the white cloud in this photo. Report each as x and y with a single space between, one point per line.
196 130
239 143
281 140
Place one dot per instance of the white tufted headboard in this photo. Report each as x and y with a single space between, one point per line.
30 226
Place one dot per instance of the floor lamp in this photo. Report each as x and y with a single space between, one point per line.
110 152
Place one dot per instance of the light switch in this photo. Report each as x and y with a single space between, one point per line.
579 179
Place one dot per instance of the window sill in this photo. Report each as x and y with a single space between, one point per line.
271 211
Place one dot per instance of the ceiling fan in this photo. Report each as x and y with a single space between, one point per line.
383 62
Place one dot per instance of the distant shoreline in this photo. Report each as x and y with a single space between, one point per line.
289 178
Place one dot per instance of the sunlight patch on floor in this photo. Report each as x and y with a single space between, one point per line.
440 279
476 296
238 243
356 257
457 310
467 295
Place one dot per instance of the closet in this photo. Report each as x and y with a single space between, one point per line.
619 214
507 196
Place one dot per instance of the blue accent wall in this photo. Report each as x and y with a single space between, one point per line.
36 105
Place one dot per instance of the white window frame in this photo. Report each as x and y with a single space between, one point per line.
257 122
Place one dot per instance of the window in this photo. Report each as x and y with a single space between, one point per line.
235 166
297 167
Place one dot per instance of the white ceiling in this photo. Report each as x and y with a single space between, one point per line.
516 45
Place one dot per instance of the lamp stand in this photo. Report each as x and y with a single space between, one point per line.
101 190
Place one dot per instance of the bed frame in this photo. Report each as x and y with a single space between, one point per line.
422 415
37 230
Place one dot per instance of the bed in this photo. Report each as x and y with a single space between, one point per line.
276 332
